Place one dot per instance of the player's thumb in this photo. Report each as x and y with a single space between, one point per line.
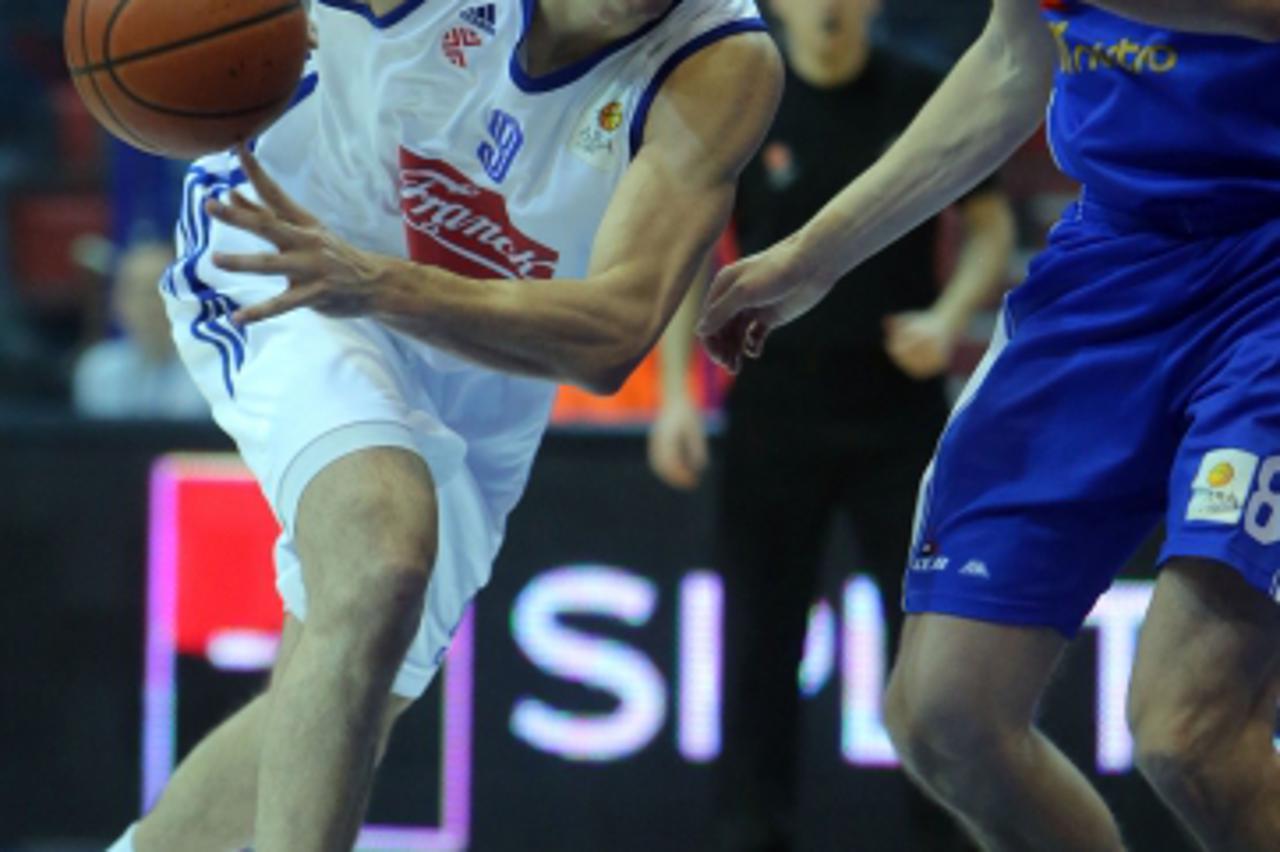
723 301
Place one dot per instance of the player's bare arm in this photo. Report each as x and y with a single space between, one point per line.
1256 19
990 103
671 206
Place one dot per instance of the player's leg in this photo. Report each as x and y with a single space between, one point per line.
211 801
880 501
1021 527
1205 690
1203 704
961 711
366 534
776 496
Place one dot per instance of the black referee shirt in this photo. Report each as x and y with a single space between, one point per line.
830 365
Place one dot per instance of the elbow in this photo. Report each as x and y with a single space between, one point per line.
607 376
605 382
609 367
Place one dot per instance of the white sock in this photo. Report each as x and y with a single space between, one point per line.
125 843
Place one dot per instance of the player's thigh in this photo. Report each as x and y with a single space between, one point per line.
959 681
365 521
1208 658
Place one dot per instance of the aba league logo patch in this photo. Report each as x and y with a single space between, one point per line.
453 223
456 42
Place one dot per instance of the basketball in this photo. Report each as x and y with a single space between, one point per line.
183 78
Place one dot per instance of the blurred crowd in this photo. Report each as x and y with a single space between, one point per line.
83 239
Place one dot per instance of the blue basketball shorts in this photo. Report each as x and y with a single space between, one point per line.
1134 377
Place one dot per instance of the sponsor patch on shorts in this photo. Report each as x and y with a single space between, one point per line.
1221 487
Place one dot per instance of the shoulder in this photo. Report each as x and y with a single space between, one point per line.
718 104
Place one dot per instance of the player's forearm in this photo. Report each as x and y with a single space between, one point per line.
562 330
988 106
1256 19
983 268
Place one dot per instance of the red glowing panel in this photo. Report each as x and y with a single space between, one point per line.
225 541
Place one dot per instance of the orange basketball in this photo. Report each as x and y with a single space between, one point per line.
185 77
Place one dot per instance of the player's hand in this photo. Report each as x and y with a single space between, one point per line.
324 272
678 445
921 343
751 298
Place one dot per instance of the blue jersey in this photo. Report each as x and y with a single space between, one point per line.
1165 124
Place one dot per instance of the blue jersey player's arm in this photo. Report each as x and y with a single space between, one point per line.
990 103
671 206
1256 19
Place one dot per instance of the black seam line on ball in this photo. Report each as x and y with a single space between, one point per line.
150 52
93 81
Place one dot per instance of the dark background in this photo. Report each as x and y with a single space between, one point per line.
72 551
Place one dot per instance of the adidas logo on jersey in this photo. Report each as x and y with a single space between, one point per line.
483 18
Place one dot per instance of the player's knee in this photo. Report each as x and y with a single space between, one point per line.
372 627
375 584
394 589
941 733
1180 751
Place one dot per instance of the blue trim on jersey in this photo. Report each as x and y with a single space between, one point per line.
571 73
213 325
205 317
304 90
234 336
388 20
711 36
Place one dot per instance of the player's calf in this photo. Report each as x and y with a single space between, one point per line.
1202 772
1202 704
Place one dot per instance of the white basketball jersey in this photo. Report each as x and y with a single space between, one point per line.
430 140
419 134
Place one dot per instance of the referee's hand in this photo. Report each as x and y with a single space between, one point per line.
921 343
678 445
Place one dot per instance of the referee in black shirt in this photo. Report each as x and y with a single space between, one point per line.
840 415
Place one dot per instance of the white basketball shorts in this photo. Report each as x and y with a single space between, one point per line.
298 392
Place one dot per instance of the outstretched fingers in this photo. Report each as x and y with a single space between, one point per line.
244 214
272 195
290 300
